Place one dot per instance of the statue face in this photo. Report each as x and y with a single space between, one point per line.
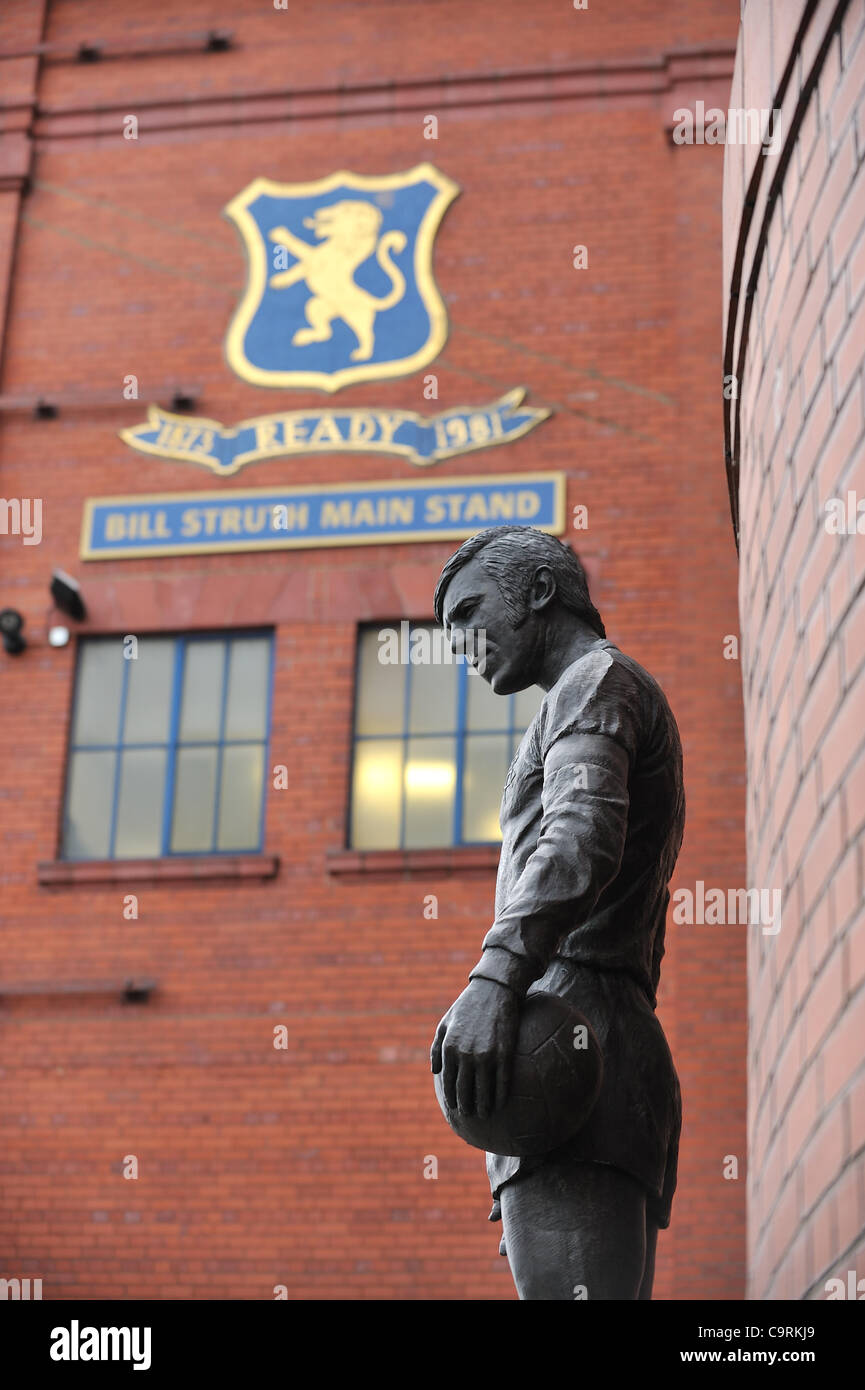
474 604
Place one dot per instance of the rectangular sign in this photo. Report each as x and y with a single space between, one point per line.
303 517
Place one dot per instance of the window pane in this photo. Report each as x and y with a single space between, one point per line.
429 782
97 696
240 797
381 687
202 691
376 794
194 799
485 709
88 805
484 772
140 804
148 693
526 705
248 679
433 683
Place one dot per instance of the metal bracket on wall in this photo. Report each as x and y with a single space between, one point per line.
131 991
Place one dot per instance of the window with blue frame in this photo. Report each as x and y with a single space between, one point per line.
432 746
168 746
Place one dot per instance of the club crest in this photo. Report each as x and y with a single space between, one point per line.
341 286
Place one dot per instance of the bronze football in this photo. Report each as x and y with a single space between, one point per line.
555 1081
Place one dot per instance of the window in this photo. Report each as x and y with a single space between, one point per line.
168 744
432 744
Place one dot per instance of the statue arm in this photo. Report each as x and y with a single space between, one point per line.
582 837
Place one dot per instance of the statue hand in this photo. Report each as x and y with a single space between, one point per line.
474 1046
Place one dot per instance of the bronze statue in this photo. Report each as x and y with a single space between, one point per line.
592 818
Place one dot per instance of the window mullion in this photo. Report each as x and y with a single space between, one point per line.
218 787
174 725
459 741
406 711
265 747
118 756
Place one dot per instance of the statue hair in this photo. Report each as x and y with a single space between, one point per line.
510 555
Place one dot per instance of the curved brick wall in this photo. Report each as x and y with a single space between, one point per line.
794 257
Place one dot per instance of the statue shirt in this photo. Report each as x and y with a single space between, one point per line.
581 895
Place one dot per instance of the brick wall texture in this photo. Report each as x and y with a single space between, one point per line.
305 1167
799 444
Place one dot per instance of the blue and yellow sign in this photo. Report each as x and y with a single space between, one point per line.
340 286
306 517
421 440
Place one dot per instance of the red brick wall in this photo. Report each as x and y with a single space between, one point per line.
305 1167
798 443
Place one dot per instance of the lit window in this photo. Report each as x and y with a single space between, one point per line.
167 752
432 744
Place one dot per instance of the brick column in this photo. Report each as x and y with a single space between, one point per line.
21 28
794 258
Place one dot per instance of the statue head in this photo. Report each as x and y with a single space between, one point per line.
515 585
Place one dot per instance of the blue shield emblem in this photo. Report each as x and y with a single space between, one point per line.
341 286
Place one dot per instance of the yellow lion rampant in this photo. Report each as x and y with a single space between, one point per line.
349 235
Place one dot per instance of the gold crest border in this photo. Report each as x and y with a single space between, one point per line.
238 212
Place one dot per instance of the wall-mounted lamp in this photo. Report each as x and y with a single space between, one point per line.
138 991
66 594
11 623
